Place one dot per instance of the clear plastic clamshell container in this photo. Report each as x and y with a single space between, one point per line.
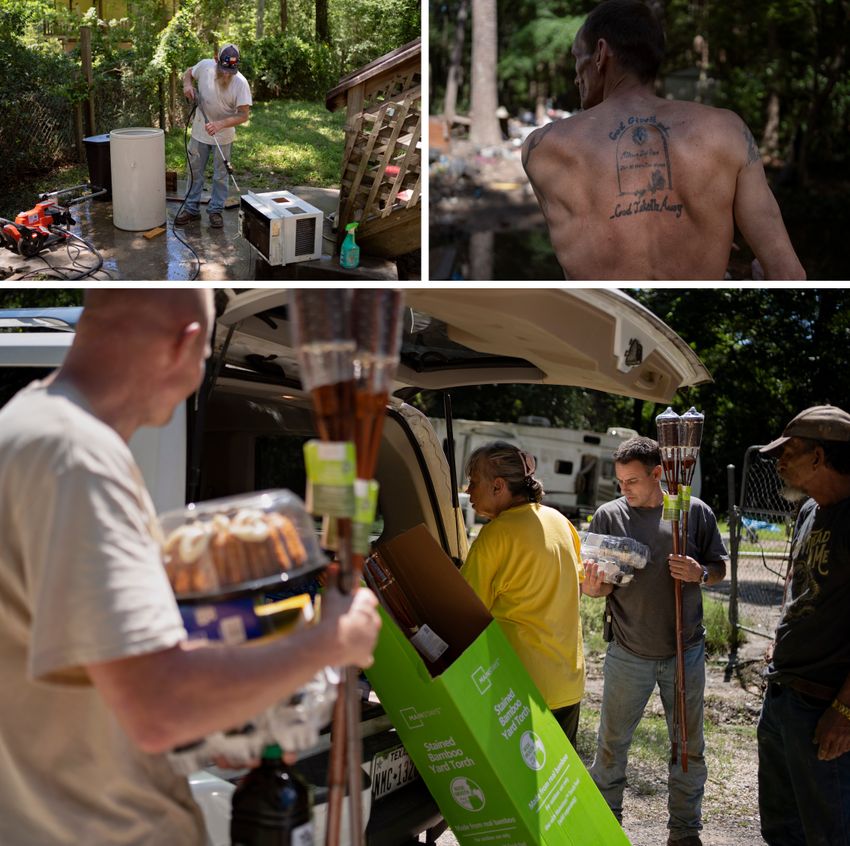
295 725
229 562
239 546
617 557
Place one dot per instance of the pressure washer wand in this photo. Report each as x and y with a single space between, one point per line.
227 166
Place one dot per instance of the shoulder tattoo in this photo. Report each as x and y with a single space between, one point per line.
752 150
533 140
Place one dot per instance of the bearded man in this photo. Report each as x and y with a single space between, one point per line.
223 102
804 730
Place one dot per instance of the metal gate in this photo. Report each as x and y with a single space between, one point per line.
760 528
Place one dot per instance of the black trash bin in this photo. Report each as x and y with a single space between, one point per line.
100 168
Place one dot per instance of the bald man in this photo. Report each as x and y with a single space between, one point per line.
639 187
98 678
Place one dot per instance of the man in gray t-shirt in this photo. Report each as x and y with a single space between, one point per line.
642 652
223 101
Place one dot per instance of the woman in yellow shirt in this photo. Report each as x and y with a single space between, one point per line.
526 568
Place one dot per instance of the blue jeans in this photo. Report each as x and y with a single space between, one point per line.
199 154
629 682
802 801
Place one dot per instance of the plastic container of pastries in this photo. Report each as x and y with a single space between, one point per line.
239 546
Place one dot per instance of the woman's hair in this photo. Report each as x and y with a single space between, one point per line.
499 459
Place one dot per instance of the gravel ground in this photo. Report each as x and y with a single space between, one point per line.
730 813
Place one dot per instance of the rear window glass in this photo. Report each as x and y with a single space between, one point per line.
12 379
279 463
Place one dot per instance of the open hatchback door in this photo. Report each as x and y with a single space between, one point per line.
600 339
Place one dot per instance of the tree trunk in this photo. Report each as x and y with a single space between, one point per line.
701 49
825 339
322 21
541 94
455 63
160 90
172 98
637 415
261 19
833 71
284 17
770 136
484 129
481 255
88 76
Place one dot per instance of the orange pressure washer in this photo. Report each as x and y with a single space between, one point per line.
42 227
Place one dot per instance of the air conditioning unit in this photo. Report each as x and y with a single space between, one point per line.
281 227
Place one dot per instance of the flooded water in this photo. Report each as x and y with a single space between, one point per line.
500 255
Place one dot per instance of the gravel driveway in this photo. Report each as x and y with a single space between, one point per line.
730 813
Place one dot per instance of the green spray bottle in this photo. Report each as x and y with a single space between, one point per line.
349 254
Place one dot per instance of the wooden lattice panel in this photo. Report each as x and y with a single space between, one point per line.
380 183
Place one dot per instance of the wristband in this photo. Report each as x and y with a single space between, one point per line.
842 709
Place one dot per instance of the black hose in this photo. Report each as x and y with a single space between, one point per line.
76 271
174 228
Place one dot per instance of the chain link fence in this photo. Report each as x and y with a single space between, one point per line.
39 129
760 528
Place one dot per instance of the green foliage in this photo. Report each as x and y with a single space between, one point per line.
792 54
289 66
178 45
24 21
539 51
364 30
718 629
41 298
285 143
772 352
591 609
574 408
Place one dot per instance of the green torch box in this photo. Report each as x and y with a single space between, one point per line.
491 753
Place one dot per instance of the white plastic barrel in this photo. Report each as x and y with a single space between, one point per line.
137 155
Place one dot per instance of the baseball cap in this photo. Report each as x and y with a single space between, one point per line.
228 58
820 423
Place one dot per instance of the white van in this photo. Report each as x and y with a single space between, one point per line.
245 429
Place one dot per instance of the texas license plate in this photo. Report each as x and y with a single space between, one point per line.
391 770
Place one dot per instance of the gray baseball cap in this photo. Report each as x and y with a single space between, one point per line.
819 423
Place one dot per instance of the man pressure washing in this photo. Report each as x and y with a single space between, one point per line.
223 101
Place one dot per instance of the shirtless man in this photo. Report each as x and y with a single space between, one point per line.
639 187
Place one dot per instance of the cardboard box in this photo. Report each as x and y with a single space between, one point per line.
494 758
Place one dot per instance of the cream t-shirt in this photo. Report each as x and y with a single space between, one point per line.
81 581
218 102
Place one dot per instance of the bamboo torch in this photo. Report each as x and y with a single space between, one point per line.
376 322
348 346
325 345
669 432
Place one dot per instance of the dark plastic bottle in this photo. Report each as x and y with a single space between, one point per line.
271 806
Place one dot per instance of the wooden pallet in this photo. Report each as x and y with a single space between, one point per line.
381 176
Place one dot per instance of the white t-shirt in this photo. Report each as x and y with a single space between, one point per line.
81 581
218 102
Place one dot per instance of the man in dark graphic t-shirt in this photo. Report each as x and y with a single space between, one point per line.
804 730
642 652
